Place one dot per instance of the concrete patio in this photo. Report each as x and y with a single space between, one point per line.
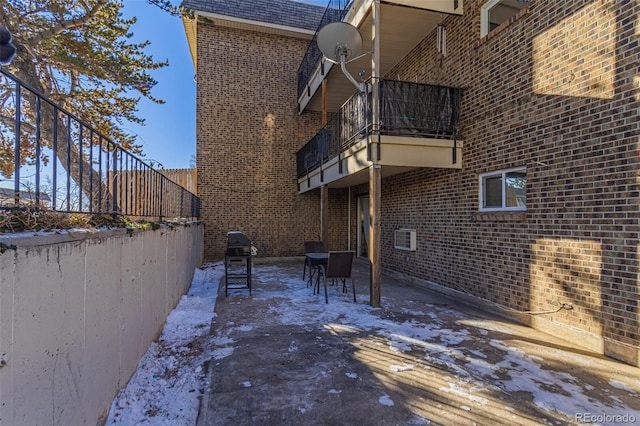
284 357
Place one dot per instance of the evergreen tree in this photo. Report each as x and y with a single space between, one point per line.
77 53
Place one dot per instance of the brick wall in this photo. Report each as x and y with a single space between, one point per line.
248 131
556 91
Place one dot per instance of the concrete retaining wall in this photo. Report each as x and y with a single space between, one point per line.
78 310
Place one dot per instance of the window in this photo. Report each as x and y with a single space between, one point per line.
503 190
494 12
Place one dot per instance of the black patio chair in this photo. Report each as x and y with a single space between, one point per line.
339 267
311 247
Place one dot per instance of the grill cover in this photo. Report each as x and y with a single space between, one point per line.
238 244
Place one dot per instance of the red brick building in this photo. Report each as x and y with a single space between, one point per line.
493 154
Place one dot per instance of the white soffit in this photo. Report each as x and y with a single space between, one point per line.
444 6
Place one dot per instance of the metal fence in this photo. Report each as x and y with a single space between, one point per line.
405 109
335 11
52 160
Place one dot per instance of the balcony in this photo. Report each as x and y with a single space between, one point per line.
417 127
402 25
308 68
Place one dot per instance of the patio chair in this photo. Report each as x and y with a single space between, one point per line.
339 266
311 247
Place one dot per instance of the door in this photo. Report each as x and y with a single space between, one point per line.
363 226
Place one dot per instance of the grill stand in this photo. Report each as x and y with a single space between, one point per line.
237 272
237 262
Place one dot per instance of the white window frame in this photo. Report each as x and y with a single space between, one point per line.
502 174
484 16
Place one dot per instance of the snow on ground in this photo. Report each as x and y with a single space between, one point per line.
166 387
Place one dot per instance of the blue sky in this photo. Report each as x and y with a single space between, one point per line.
169 135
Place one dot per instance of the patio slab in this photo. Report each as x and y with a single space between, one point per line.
284 357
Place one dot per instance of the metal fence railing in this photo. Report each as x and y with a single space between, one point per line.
405 109
53 160
335 11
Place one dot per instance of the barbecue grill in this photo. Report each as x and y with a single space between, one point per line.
237 262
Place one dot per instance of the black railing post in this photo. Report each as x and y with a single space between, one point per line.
107 168
91 172
455 149
114 201
54 144
154 194
68 163
80 192
38 106
126 172
121 206
16 154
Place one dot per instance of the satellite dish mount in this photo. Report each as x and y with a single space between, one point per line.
341 43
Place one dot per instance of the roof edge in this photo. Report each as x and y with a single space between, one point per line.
257 24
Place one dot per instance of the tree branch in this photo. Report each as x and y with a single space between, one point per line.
69 23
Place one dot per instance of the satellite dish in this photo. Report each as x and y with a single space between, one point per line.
338 41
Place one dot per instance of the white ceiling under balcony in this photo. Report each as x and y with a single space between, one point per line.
401 29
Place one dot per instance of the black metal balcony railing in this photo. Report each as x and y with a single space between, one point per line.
406 109
335 11
58 162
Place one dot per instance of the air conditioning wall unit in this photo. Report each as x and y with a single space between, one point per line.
405 239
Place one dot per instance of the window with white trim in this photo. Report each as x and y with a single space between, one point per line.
504 190
494 12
